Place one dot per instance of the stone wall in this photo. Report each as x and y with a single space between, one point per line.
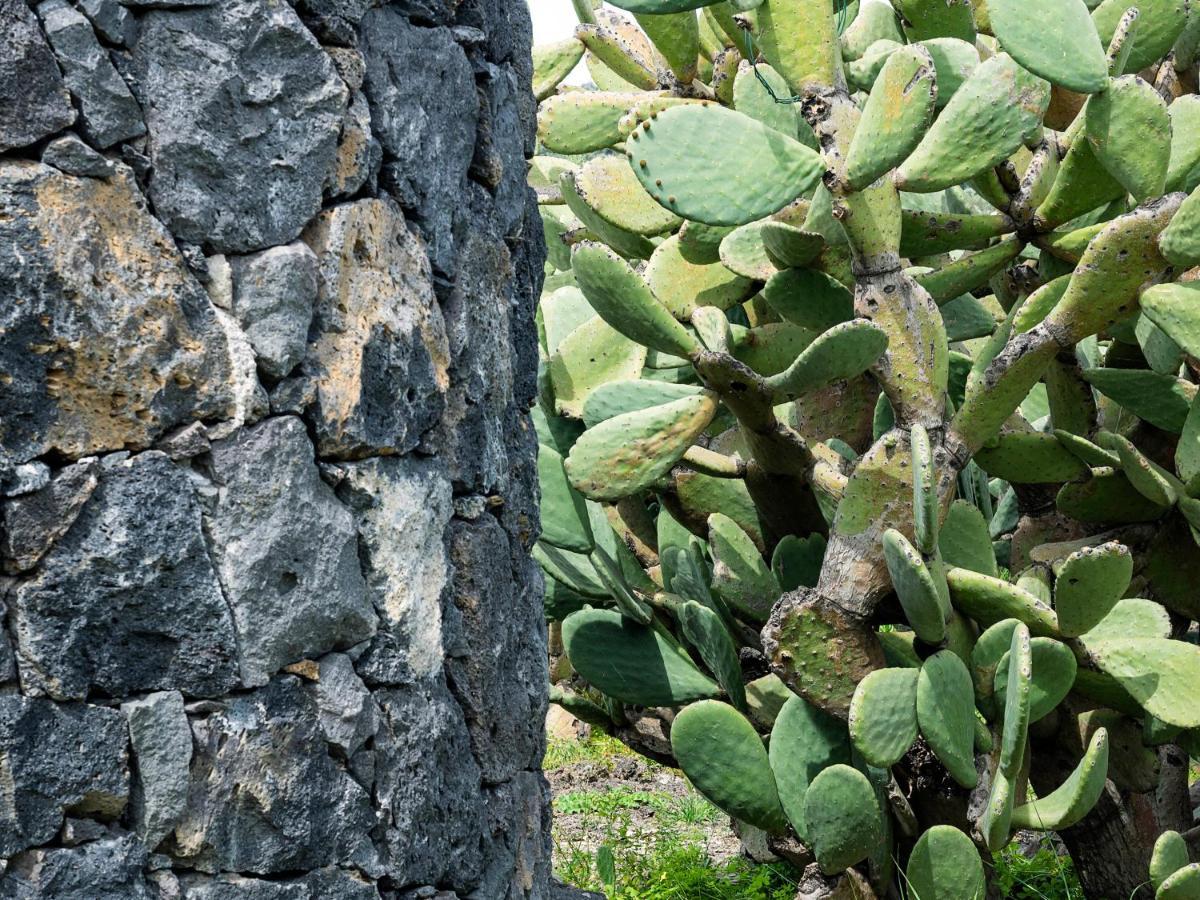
267 485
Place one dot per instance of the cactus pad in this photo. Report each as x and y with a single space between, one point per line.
631 662
1089 584
842 817
883 715
946 714
723 756
1075 797
944 865
915 587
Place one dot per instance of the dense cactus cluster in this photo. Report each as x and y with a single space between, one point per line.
870 446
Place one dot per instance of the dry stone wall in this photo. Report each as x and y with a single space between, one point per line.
267 483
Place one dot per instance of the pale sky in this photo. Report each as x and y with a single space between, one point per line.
554 20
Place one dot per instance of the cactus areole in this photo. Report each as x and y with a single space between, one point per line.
870 342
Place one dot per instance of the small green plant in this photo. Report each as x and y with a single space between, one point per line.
869 421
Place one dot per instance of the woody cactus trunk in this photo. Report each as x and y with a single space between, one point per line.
870 447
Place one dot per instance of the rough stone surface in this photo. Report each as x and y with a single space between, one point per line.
108 112
71 155
57 758
496 644
116 342
268 625
126 601
273 293
285 551
33 98
427 784
111 869
402 508
266 796
422 91
377 327
244 112
33 522
162 744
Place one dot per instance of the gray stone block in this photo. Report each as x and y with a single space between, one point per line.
58 758
272 298
285 550
71 155
127 601
109 869
162 748
33 98
242 135
33 522
108 111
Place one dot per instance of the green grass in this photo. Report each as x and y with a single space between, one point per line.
1045 876
598 748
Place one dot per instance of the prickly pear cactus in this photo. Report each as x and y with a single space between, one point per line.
870 343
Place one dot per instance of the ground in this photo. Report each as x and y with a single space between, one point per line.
635 830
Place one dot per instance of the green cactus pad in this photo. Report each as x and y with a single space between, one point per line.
1082 184
1175 308
682 285
552 63
750 98
804 742
740 575
724 758
620 297
699 244
1130 133
897 112
574 570
1185 141
842 817
883 715
1089 584
584 121
701 495
1187 452
630 662
717 166
988 600
944 865
1054 668
953 60
705 631
874 22
634 246
924 19
787 245
742 251
861 73
1112 270
591 355
796 561
630 452
1180 241
564 514
809 298
924 233
1183 885
1086 451
1075 797
1161 400
1106 497
799 38
1158 26
969 272
610 188
964 541
996 823
841 352
765 699
619 397
1150 479
1169 856
1162 675
1018 695
915 587
1055 40
660 7
1029 457
946 714
677 37
618 55
992 646
996 110
562 311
